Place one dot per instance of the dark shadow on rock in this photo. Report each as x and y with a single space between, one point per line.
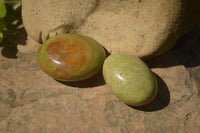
9 51
10 43
186 52
161 100
106 51
96 80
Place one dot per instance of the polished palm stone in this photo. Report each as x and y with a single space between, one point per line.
130 79
71 57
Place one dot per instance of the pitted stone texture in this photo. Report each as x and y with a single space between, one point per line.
143 28
51 17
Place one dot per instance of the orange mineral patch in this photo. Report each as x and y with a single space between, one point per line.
68 56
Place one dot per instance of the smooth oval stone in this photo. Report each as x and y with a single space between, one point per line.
71 57
130 79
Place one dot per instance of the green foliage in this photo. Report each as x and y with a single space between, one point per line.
2 15
1 36
2 9
10 17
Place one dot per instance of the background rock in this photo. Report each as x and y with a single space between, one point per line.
144 28
33 102
50 18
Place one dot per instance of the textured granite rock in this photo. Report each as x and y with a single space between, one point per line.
32 102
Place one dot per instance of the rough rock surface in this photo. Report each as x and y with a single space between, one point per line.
32 102
139 27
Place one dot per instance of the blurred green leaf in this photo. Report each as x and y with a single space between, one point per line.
1 36
2 9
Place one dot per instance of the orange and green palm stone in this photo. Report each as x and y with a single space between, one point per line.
71 57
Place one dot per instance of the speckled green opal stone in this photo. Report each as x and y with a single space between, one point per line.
71 57
130 79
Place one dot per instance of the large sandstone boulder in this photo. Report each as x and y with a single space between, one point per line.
144 28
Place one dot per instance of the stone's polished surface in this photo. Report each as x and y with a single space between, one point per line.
130 79
71 57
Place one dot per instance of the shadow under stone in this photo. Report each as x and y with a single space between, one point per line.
94 81
161 100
